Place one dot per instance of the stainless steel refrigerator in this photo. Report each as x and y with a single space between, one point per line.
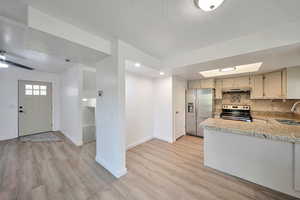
199 107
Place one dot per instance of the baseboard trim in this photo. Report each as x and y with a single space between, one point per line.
116 173
77 143
165 140
146 139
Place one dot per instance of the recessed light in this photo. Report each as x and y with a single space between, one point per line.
2 57
84 99
229 69
161 73
3 65
208 5
137 64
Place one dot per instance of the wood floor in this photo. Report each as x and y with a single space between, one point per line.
156 170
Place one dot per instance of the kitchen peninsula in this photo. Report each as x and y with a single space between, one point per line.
265 152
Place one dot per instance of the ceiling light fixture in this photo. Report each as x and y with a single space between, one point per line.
3 65
229 69
2 57
161 73
253 67
137 64
208 5
84 100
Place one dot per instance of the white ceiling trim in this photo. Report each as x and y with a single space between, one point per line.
48 24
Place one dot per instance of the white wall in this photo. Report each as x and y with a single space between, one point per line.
139 109
89 84
9 98
163 98
70 96
129 52
110 113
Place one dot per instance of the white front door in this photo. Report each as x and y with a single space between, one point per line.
35 107
180 87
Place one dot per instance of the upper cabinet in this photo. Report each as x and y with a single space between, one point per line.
208 83
257 85
194 84
236 83
242 82
273 84
292 83
268 86
202 84
219 94
283 84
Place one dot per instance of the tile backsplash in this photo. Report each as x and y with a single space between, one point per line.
264 106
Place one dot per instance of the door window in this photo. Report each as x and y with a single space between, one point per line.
36 90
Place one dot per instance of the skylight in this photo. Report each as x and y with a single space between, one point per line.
232 70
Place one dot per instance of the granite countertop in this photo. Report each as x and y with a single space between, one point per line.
266 128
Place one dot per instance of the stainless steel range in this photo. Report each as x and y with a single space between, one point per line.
236 112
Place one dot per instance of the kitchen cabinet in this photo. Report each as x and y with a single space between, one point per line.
236 83
292 83
218 94
207 83
283 84
257 85
228 83
194 84
202 84
273 85
242 82
269 86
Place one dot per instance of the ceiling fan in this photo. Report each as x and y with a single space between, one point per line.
4 62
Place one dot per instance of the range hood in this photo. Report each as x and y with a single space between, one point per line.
236 90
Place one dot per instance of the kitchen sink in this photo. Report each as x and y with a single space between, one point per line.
288 122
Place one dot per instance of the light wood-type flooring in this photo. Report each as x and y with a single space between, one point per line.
156 170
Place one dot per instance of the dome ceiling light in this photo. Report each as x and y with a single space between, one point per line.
208 5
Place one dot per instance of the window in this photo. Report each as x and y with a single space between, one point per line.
28 92
36 90
43 90
28 89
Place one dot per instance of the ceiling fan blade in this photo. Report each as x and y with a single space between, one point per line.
17 65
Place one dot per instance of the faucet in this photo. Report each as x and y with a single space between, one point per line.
294 106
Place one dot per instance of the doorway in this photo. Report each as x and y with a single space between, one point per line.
179 106
35 107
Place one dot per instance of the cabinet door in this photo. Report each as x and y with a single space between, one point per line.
228 83
207 83
242 82
273 85
293 83
195 84
219 86
257 85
